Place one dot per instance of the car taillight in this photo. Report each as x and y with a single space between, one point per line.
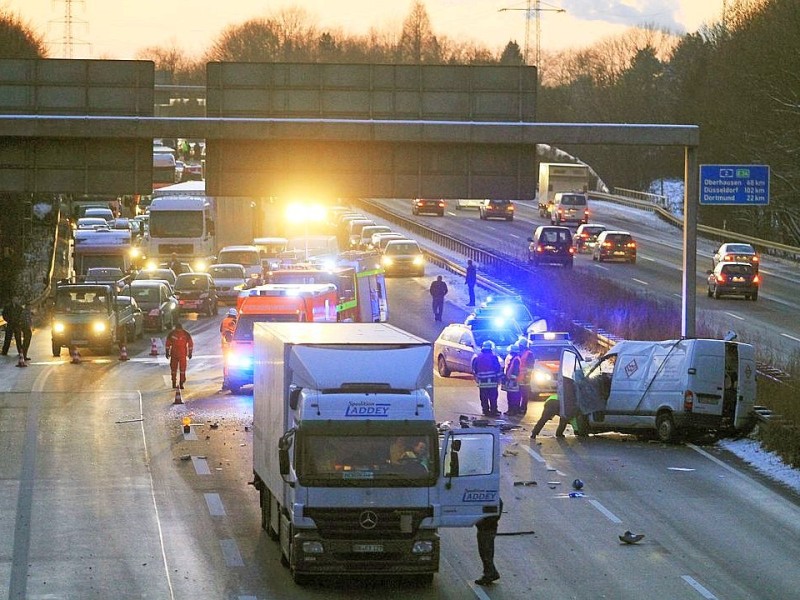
720 278
441 203
755 259
756 279
631 244
572 250
584 235
688 401
540 248
606 244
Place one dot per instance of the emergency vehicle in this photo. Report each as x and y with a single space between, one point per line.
292 302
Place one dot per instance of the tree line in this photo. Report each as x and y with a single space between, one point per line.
738 79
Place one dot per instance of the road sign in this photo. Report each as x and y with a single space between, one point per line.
734 184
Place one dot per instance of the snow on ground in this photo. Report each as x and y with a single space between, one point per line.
749 450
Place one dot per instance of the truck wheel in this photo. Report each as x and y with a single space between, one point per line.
665 427
441 365
56 349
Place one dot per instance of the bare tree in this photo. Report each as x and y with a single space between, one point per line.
18 39
418 43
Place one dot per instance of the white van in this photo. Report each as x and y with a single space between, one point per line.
671 387
247 256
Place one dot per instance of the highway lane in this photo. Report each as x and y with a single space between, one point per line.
104 496
768 322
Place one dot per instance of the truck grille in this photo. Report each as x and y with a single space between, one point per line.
345 523
180 249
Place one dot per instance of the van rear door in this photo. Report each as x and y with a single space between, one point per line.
707 376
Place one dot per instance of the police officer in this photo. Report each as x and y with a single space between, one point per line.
511 381
488 371
178 348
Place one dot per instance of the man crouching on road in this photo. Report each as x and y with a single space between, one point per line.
178 347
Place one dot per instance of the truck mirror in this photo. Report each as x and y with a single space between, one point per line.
294 397
283 460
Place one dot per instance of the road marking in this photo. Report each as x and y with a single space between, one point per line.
452 214
791 337
536 456
607 513
640 281
215 507
730 314
514 235
717 461
678 295
201 465
599 266
698 588
479 592
645 258
230 551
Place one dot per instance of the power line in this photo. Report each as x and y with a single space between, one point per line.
536 9
68 40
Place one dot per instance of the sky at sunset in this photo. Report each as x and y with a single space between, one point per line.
118 28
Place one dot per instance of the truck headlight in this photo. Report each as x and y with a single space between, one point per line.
135 253
58 327
418 260
313 548
98 326
200 266
422 547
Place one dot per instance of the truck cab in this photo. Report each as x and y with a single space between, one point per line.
85 316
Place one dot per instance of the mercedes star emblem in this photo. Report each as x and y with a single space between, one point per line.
368 519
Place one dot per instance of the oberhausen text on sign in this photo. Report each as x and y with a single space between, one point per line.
734 184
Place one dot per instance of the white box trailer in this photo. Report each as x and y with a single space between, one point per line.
352 475
672 387
560 177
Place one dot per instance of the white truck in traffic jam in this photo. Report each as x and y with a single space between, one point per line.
352 473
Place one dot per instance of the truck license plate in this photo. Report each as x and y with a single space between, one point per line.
367 547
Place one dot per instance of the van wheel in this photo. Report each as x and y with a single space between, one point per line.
665 427
441 366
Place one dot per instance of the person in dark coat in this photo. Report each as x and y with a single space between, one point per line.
549 411
471 279
487 531
438 292
26 326
12 314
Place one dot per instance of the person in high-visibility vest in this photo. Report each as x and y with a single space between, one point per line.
488 372
226 330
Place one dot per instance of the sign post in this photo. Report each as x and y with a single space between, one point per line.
739 185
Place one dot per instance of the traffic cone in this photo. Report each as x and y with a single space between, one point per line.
123 352
21 361
178 399
76 356
153 347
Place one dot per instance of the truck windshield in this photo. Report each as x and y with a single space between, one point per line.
176 223
367 461
244 324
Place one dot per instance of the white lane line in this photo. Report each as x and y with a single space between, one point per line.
645 258
717 461
791 337
514 235
452 214
598 266
155 502
536 456
640 281
730 314
214 503
698 587
678 295
248 597
230 551
201 465
479 592
607 513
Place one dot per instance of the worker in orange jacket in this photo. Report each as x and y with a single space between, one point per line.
178 348
226 329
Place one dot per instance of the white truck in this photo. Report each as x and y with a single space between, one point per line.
181 225
103 247
560 177
353 476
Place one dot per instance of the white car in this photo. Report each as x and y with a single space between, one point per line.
469 203
229 279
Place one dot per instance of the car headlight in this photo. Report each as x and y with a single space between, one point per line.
135 253
200 266
418 260
240 361
422 547
98 326
59 327
313 548
386 261
542 377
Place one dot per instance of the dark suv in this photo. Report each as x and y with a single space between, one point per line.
427 205
551 244
197 293
492 208
739 279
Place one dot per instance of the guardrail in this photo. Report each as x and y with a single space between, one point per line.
721 235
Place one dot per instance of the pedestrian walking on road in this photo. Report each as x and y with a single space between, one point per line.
471 279
487 531
12 314
438 292
488 371
178 348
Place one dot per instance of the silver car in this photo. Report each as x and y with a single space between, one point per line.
229 278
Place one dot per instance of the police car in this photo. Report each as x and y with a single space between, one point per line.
546 348
509 307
